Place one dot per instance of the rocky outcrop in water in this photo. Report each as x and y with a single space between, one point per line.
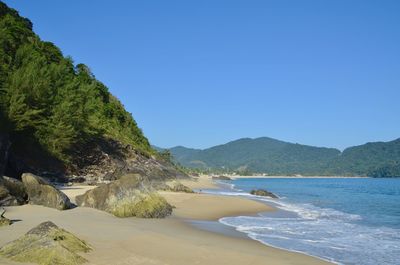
46 244
41 192
265 193
222 178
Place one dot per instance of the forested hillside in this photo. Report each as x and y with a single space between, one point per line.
379 159
55 112
46 97
258 155
266 155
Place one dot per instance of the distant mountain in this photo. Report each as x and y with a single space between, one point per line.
369 159
258 155
273 156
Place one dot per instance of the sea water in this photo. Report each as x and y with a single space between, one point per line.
343 220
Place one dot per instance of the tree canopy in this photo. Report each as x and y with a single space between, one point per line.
46 97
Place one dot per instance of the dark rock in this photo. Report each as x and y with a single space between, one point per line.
46 244
222 178
42 229
41 192
125 197
261 192
12 192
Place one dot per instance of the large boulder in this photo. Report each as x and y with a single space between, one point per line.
177 187
126 197
12 192
46 244
265 193
41 192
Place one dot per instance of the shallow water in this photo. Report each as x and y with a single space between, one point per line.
346 220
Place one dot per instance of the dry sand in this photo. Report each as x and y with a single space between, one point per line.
202 182
170 241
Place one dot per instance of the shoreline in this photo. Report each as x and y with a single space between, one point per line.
234 177
174 240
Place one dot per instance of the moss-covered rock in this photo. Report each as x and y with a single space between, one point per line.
46 244
126 197
138 204
98 198
182 188
41 192
176 187
5 221
265 193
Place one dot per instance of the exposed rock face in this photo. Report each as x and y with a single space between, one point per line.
12 192
41 192
46 244
93 162
261 192
109 160
4 146
125 197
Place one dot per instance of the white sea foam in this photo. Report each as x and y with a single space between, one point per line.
323 232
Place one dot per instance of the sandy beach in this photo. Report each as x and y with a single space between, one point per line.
171 241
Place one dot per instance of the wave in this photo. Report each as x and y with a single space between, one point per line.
322 232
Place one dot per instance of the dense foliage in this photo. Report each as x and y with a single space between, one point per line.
258 155
46 98
388 171
266 155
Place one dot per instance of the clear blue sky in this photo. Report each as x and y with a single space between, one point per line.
201 73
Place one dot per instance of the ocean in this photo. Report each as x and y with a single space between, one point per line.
343 220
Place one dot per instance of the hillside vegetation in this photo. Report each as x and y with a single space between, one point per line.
267 155
48 102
